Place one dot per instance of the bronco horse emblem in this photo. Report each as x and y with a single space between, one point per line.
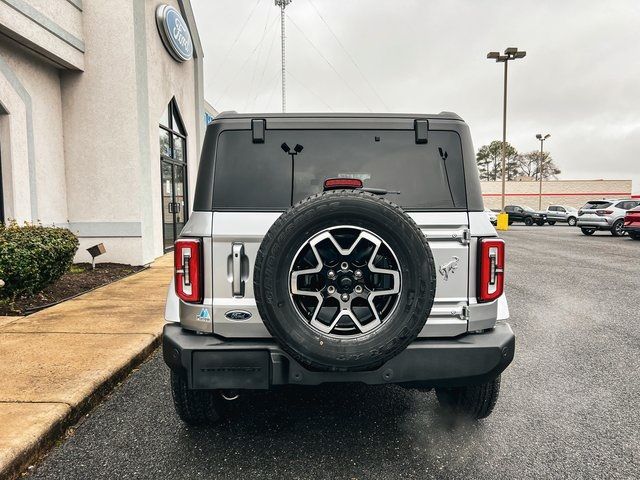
448 268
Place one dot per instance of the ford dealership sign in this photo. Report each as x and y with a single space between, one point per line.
174 32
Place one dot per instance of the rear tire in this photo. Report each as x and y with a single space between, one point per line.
540 223
572 221
475 401
552 222
196 407
635 236
616 228
528 221
588 231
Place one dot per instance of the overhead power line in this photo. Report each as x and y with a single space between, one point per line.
309 90
329 63
235 40
349 55
244 63
255 65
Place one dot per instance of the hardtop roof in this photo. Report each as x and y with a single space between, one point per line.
439 116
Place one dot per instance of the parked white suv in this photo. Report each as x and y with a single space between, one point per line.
605 215
562 213
337 248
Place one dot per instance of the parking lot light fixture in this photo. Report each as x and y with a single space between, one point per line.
510 53
542 138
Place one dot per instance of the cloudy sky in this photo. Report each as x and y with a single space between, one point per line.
580 80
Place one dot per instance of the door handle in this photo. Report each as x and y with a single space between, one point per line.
237 282
170 207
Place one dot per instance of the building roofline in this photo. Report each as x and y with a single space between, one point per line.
187 13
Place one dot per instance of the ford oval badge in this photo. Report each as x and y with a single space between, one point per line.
238 315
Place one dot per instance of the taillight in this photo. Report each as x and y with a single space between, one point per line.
187 260
491 269
602 213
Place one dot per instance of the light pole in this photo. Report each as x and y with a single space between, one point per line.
542 138
283 4
510 53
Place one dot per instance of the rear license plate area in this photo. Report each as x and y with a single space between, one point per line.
231 369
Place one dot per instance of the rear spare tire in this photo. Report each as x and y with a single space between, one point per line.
344 280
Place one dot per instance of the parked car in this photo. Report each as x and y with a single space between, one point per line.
320 279
491 215
632 223
562 213
525 214
605 215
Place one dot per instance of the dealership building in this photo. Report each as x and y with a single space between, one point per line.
101 120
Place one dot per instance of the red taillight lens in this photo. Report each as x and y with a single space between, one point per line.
338 183
602 213
187 260
491 269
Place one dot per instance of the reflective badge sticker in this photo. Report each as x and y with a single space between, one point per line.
204 316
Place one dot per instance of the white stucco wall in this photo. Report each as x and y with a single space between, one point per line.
52 28
91 136
167 79
41 85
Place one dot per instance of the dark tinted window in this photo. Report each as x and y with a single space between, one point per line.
627 205
595 204
252 175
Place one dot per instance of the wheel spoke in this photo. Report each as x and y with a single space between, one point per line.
327 289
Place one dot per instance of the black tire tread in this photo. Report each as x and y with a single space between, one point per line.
475 401
427 288
195 407
614 230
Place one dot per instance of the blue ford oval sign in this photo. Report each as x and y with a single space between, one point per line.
174 33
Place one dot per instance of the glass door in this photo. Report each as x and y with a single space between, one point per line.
173 162
168 221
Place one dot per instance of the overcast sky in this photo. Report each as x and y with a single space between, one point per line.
580 80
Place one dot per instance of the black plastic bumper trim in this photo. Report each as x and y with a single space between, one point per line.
214 363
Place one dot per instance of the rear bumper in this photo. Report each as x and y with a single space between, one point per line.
594 222
214 363
635 228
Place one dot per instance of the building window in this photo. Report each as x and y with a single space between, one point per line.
173 168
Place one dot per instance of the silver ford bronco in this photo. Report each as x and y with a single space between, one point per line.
337 248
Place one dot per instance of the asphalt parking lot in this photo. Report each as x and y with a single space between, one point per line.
568 405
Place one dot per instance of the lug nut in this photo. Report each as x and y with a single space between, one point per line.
358 289
358 273
345 297
331 274
331 289
344 265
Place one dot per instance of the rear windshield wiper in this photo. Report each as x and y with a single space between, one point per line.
380 191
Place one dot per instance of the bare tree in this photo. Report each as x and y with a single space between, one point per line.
529 165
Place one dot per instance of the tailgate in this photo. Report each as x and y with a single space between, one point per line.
236 238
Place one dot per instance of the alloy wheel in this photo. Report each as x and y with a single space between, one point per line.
345 281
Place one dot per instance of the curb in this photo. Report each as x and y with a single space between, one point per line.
48 439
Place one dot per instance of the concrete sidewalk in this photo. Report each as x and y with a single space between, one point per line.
57 363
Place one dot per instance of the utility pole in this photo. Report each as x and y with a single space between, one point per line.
283 4
542 138
510 53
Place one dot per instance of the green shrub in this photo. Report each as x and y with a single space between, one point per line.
33 256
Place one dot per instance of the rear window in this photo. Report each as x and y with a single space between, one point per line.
262 176
593 205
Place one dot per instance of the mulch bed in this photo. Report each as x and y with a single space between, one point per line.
80 278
